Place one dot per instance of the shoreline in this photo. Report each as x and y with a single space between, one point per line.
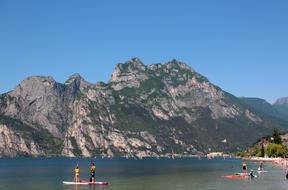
279 162
261 159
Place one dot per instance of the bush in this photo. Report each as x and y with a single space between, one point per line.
262 153
243 154
276 150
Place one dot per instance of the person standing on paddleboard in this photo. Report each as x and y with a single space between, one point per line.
244 167
92 170
77 174
261 166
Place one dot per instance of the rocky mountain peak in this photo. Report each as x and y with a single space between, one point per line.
131 73
76 82
34 85
281 101
136 63
132 66
38 79
175 64
74 77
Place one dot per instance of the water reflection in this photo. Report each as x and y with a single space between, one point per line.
76 187
92 187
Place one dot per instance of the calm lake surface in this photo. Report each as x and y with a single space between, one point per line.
131 174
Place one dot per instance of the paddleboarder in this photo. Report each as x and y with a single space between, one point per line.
244 167
77 174
261 166
251 174
92 171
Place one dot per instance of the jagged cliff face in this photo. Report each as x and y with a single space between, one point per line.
13 144
142 111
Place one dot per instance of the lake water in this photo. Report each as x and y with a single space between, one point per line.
131 174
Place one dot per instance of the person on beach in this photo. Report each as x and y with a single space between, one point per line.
244 167
92 171
77 174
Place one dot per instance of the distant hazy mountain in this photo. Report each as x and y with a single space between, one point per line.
159 109
279 111
261 105
282 106
282 101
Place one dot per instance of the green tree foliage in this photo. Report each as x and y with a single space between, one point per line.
243 154
276 150
258 151
262 154
276 136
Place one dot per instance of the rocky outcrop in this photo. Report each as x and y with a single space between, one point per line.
13 144
129 74
41 101
160 109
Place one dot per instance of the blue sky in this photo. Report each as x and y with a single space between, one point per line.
241 46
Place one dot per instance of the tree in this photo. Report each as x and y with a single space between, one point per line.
276 136
262 151
276 150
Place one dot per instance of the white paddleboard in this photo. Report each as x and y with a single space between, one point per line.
262 171
83 182
75 183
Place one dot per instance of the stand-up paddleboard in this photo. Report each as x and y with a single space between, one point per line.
242 174
262 171
74 183
239 176
236 176
83 182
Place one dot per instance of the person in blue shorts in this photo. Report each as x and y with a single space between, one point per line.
92 171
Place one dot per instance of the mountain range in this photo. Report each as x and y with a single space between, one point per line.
144 110
277 110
